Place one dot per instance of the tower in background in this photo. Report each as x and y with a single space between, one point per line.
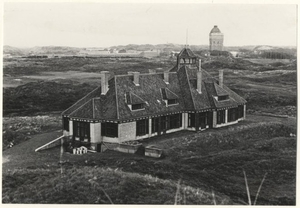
216 39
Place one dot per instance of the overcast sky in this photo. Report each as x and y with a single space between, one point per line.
104 25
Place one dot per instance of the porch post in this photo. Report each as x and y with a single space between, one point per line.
183 121
214 118
245 111
226 116
71 128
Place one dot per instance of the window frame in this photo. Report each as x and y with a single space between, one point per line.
142 127
82 131
170 104
175 121
109 129
191 120
221 116
141 106
66 124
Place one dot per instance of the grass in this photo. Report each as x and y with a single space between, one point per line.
20 128
209 164
210 160
88 185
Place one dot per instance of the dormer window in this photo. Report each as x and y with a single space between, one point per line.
139 106
169 97
135 102
172 102
223 97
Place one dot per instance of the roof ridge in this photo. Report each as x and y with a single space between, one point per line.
190 90
172 92
80 107
219 88
81 99
231 91
138 96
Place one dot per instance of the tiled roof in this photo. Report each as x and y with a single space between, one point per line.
186 53
219 90
153 91
132 98
168 94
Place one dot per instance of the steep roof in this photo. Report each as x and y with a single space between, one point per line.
153 92
186 53
168 94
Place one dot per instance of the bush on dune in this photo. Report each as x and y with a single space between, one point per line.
89 185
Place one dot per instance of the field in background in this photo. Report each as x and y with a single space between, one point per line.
37 90
268 61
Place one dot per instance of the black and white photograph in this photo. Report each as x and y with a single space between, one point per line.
149 103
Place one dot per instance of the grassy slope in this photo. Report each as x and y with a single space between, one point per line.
85 185
210 160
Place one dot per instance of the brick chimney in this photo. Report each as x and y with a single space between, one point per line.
104 82
221 78
166 77
199 78
136 78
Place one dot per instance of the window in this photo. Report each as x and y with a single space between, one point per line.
232 114
224 97
109 129
82 130
203 119
155 123
240 111
172 102
142 127
137 106
175 121
66 123
191 120
164 123
220 116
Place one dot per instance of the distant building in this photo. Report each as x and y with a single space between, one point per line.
94 51
7 55
216 39
234 53
150 53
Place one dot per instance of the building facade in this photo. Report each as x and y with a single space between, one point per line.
138 106
216 39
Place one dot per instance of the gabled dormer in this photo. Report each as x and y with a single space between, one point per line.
169 97
221 93
186 57
134 102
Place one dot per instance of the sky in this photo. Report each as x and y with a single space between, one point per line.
108 24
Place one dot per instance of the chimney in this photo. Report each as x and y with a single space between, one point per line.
166 77
104 82
136 77
199 78
221 78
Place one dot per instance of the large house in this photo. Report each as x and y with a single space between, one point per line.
137 106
